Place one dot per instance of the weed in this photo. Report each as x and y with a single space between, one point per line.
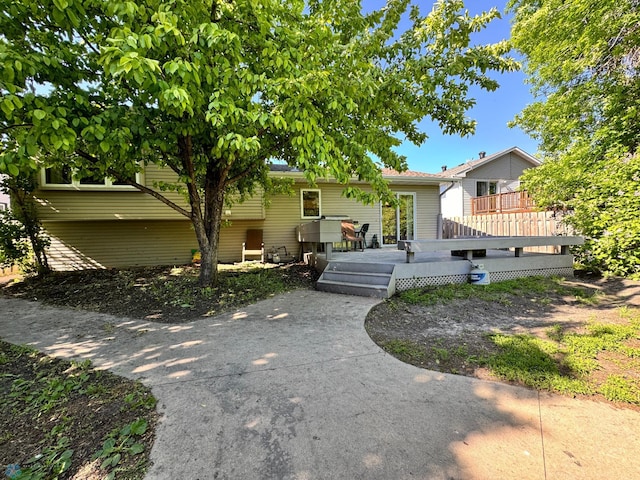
619 389
442 354
564 362
500 292
140 398
405 350
53 461
461 351
555 332
121 442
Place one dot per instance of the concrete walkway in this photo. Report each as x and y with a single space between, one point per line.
293 388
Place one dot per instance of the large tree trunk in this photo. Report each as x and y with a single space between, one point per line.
214 190
208 234
206 221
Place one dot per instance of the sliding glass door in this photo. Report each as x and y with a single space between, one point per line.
399 223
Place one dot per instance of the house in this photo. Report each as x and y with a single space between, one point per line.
495 174
106 224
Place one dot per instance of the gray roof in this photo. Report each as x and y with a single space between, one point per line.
462 169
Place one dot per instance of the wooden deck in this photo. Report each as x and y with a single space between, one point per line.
440 267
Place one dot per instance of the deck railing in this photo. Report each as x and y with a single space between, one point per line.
502 203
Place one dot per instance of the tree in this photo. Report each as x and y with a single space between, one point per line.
22 239
216 90
582 58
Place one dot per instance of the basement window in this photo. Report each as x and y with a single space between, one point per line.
62 178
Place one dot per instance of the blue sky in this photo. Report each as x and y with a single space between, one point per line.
492 111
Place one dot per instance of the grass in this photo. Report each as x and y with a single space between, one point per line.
406 350
601 359
499 292
566 362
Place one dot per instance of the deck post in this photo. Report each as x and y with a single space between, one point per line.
519 251
328 250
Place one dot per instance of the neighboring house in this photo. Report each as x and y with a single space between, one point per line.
494 174
103 224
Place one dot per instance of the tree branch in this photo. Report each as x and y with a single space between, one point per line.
142 188
10 127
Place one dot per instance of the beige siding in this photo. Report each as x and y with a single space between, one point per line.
118 242
103 244
428 208
86 204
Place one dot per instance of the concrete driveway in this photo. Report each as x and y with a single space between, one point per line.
293 388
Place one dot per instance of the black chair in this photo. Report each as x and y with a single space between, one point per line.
363 232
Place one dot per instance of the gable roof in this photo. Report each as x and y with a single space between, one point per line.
464 168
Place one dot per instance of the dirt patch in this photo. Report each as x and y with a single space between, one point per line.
161 294
450 337
49 406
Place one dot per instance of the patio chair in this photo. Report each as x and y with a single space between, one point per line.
349 236
363 233
253 246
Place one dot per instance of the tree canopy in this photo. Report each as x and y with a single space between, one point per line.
216 90
583 58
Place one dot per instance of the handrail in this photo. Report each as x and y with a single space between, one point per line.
502 203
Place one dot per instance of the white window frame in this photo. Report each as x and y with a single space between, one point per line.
302 192
487 185
77 185
414 195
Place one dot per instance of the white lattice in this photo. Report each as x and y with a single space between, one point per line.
419 282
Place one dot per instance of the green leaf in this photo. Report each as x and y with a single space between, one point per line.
104 146
39 114
61 4
136 448
13 170
139 427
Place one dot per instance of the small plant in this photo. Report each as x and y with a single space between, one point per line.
121 442
405 350
555 332
442 354
617 388
52 462
500 292
139 398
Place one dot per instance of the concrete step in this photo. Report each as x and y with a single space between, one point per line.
364 279
360 267
357 277
348 288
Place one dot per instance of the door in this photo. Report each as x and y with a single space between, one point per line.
399 223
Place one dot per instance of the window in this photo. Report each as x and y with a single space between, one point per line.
486 188
63 178
4 206
310 203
